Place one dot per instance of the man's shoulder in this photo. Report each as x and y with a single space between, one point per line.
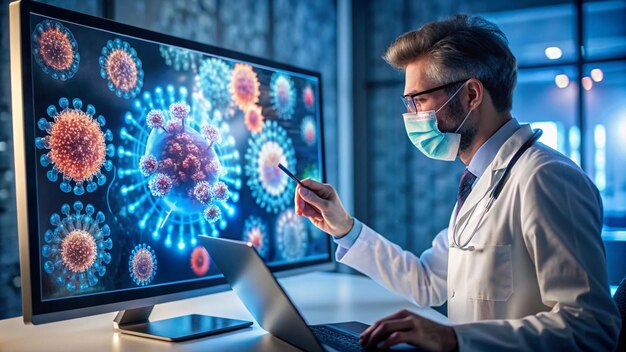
544 164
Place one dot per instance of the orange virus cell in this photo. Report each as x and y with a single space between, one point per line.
78 146
253 119
121 67
78 250
200 261
55 50
244 86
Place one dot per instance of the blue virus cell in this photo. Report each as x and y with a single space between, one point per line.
292 239
255 232
180 59
282 95
308 130
179 170
121 67
142 264
214 79
77 146
77 249
55 50
270 187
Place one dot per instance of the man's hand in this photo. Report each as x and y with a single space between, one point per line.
405 326
321 204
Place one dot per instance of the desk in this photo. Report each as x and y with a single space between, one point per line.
320 297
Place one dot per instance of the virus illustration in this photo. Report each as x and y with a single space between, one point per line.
308 130
77 250
291 236
180 170
308 97
254 120
282 95
121 67
55 50
187 169
142 264
77 146
180 59
270 186
200 261
244 86
255 232
214 79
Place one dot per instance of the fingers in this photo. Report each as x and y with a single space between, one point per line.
396 338
385 329
312 198
397 315
323 190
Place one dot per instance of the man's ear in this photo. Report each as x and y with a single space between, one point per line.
475 93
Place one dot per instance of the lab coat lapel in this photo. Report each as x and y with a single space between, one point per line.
493 173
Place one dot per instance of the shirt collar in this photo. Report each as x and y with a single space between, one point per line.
488 151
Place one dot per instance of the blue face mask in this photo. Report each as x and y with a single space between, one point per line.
423 132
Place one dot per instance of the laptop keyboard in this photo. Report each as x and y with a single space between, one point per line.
336 339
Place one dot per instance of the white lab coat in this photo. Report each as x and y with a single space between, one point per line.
537 278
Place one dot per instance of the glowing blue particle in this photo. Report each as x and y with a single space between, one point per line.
180 59
76 251
142 264
121 67
271 188
291 236
55 50
255 232
78 148
214 78
178 211
282 95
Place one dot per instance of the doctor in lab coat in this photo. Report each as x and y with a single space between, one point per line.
531 274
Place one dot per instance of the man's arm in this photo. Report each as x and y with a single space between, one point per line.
561 222
421 280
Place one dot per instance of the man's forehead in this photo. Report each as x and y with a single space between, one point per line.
415 77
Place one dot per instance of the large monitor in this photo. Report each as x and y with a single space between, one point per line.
129 144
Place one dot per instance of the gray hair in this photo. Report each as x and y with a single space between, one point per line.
461 47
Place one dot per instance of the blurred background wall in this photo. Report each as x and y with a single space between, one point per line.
571 83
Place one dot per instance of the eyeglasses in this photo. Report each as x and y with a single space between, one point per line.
409 99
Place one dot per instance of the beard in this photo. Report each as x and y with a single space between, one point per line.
449 119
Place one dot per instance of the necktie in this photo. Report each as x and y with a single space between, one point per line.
465 187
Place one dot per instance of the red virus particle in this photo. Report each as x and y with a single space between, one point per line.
200 261
78 251
78 146
55 50
244 86
309 97
142 264
121 67
254 119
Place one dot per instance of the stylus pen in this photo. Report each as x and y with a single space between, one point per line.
293 177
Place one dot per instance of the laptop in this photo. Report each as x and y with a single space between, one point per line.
270 306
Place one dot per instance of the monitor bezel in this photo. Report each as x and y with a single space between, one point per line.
35 310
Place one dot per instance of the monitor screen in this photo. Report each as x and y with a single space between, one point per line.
136 143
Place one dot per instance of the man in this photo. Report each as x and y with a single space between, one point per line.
527 274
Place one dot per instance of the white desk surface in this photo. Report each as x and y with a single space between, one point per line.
321 298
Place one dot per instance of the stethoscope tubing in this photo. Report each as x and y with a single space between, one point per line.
493 195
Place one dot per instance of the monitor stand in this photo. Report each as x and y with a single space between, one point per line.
186 327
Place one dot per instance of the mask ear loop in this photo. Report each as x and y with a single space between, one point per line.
447 101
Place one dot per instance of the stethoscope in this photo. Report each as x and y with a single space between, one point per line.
493 195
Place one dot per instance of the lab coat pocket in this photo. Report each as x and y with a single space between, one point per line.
492 278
